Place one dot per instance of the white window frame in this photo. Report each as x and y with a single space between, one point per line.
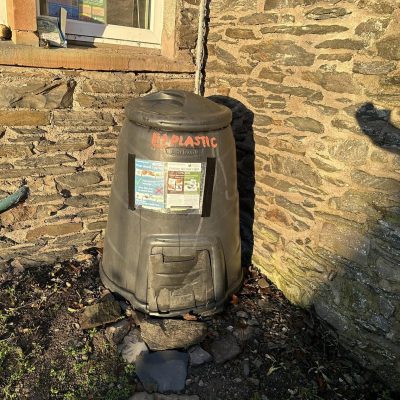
115 34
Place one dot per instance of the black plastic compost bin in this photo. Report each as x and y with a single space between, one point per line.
172 242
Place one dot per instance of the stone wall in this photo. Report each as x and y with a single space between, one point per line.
322 81
58 135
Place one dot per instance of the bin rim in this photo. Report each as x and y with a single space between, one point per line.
178 110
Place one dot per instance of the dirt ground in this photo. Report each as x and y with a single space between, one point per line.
287 353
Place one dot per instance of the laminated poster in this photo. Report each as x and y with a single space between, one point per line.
169 186
149 184
183 185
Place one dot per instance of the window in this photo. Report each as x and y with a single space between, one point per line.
127 22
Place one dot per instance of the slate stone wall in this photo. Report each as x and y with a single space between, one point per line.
322 81
58 135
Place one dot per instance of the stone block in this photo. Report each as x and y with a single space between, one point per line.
293 207
372 28
296 169
240 33
172 334
54 230
298 91
367 180
338 82
80 179
322 13
284 52
377 6
345 241
351 151
389 48
116 86
351 44
259 19
220 7
304 29
305 124
81 119
24 118
278 4
373 67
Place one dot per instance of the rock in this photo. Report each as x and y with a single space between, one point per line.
321 13
262 282
100 314
225 349
259 19
373 67
296 169
115 333
353 152
277 4
286 52
132 346
304 29
341 44
242 314
339 82
163 371
389 48
54 230
157 396
80 179
163 334
236 33
198 356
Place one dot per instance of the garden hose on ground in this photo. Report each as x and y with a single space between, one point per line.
14 198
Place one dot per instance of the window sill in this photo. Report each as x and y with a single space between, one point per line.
115 58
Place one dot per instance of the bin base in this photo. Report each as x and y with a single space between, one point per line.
203 310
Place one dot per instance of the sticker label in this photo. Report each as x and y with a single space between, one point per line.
149 184
183 185
169 186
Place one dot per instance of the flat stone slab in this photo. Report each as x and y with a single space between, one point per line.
198 356
225 349
172 334
132 346
100 314
158 396
163 371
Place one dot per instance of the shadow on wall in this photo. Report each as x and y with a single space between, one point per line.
376 124
361 300
242 127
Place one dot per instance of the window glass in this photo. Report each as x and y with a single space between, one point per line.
129 13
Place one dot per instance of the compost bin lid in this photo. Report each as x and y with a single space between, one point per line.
179 111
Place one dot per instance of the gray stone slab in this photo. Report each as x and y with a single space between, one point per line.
163 371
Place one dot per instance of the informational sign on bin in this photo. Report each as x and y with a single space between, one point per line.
169 186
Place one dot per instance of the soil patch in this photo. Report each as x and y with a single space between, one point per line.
286 353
